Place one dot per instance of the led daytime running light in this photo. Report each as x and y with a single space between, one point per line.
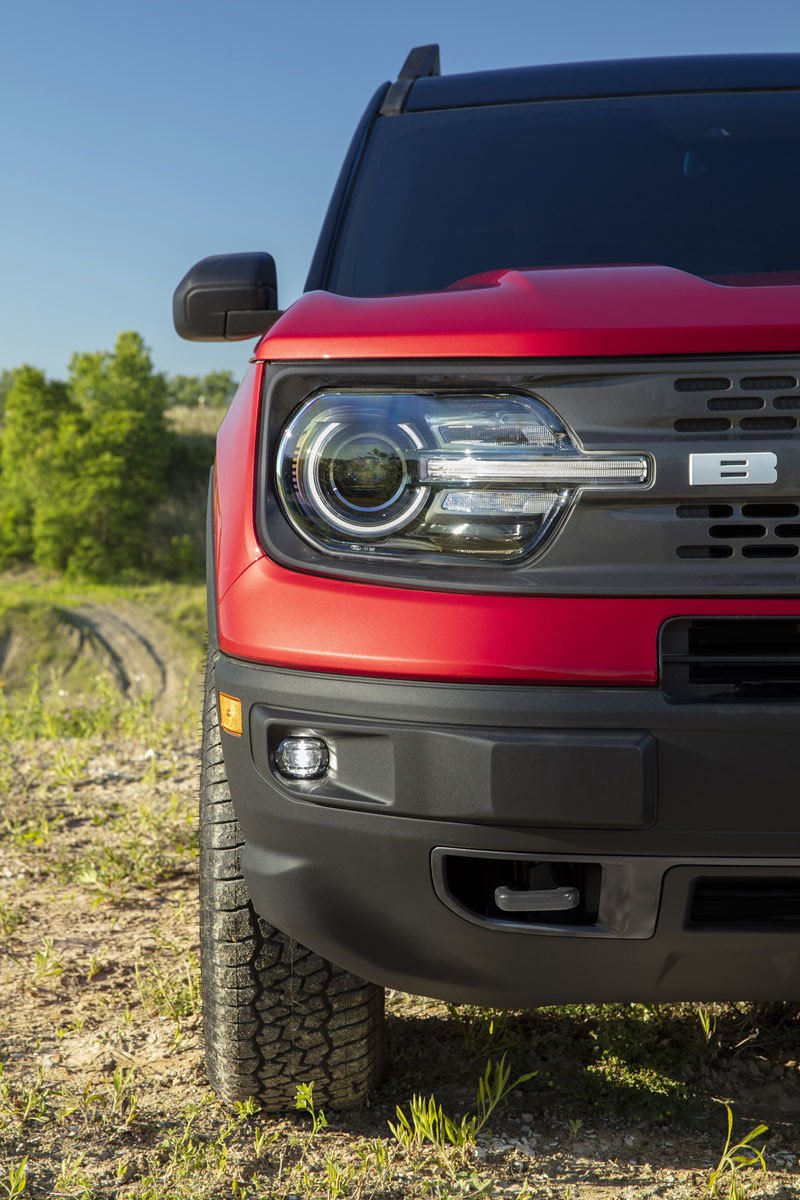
472 469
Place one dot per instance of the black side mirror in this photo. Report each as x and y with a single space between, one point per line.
227 297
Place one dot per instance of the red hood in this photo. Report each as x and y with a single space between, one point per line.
570 312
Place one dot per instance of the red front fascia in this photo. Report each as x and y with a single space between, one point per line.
269 614
280 617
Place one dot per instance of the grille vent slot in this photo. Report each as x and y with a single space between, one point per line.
786 402
765 424
734 403
738 531
701 384
767 510
768 383
768 424
704 424
767 550
737 659
704 552
705 512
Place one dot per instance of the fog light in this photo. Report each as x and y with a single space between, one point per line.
302 757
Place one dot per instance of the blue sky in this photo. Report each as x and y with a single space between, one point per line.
140 135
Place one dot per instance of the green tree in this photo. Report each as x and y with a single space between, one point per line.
214 390
219 388
108 465
183 391
6 381
34 410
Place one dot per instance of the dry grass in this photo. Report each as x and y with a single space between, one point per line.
195 420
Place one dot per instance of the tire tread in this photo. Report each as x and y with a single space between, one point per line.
275 1014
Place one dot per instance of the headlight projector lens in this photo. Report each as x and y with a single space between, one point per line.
356 478
368 473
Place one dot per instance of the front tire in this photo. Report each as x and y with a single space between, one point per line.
274 1013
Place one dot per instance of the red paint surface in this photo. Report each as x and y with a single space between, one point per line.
573 312
273 615
235 542
311 623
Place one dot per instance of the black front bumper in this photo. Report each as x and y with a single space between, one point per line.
440 791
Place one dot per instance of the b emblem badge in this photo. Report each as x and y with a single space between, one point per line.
733 468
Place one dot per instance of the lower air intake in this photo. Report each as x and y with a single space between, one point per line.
735 659
761 904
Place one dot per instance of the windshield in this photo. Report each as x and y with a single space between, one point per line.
708 183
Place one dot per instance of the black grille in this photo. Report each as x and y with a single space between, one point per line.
733 541
751 530
747 659
757 903
763 424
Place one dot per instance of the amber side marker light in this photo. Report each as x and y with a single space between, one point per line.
230 714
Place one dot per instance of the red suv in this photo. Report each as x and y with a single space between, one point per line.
504 536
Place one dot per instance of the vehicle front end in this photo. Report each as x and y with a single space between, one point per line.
591 705
504 531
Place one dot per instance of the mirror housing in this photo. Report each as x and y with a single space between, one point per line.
227 297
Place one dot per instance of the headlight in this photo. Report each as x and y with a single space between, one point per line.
407 473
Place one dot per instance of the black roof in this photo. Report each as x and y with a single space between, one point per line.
616 77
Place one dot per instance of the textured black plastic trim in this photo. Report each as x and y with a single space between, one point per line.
494 705
357 886
529 778
630 893
710 757
227 297
421 62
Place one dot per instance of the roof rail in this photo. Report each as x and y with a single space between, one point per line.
422 62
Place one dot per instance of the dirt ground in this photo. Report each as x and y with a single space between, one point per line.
103 1092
